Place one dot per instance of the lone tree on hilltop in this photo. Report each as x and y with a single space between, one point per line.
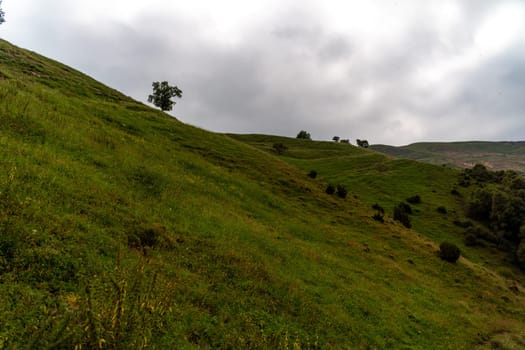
336 138
304 135
2 14
162 94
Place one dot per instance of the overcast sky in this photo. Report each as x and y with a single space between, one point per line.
392 72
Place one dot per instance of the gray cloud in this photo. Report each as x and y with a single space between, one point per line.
292 70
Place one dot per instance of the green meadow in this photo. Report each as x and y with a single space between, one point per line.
123 228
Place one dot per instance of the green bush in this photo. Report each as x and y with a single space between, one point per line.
506 214
480 173
449 252
482 233
480 204
330 189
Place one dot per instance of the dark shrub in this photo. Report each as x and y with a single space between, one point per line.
401 215
279 148
464 183
517 183
480 204
441 209
7 248
480 173
520 254
455 192
463 224
406 207
378 217
330 189
341 191
522 232
378 208
506 214
148 181
312 174
449 252
471 240
483 233
147 236
414 199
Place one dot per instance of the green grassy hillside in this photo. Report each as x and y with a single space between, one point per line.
121 227
494 155
373 178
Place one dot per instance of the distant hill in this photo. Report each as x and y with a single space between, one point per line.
494 155
123 228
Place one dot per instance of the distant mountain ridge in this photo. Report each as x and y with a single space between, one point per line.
504 155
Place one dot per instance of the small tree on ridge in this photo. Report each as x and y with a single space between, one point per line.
304 135
162 94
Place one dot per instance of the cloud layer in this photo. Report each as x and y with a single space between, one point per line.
392 73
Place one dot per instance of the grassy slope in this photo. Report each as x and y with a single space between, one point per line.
249 252
375 178
495 155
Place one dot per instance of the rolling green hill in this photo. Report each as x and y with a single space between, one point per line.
121 227
494 155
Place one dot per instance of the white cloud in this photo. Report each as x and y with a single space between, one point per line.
500 29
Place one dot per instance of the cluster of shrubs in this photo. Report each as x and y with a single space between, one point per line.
339 190
497 205
401 211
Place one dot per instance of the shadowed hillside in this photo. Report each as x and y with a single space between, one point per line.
121 227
